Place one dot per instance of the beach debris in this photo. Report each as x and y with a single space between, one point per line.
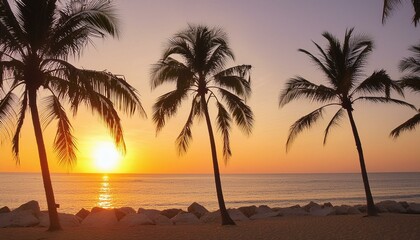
184 218
197 209
136 219
82 213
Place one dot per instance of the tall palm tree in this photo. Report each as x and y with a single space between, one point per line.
195 60
342 65
412 82
390 5
36 39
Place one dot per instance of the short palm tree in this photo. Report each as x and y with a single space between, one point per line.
390 5
36 39
195 60
342 65
412 82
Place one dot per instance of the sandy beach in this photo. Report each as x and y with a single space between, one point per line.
386 226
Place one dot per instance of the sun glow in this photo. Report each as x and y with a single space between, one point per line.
106 157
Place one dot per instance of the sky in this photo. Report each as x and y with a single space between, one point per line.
265 34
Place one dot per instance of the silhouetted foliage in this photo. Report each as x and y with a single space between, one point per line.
195 60
342 64
390 5
36 39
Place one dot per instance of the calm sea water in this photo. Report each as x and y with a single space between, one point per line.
74 191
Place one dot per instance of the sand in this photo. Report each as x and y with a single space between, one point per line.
386 226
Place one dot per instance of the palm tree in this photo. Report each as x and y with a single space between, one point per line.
390 5
195 60
412 82
342 65
36 39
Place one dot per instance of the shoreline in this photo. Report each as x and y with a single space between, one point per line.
386 226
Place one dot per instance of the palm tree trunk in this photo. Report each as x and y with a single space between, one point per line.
226 219
371 210
52 207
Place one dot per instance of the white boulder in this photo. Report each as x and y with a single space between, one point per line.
21 218
413 208
66 220
197 209
185 218
104 218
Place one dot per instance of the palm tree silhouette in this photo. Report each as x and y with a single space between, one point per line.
195 60
390 5
36 39
342 64
412 82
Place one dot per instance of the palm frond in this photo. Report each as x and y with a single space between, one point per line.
303 123
334 122
11 32
64 141
242 113
171 70
389 5
166 106
224 125
322 64
411 82
184 138
105 109
385 100
408 125
22 112
411 64
378 82
237 79
221 53
299 87
7 112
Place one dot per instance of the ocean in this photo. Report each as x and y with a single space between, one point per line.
76 191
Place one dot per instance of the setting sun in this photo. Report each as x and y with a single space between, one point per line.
106 157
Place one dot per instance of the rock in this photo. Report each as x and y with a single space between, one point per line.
170 213
413 208
185 218
134 219
155 216
211 217
126 210
100 218
354 210
390 206
98 209
263 209
342 210
327 204
248 210
321 211
237 215
404 204
361 208
292 212
119 214
310 205
32 206
4 210
21 218
197 209
66 220
83 213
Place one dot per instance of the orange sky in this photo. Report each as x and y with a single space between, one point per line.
266 35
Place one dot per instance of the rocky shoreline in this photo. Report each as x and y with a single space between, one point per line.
30 215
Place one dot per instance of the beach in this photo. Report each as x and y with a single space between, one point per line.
386 226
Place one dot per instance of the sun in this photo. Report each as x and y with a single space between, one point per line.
106 157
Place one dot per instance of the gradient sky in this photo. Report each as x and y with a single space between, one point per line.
265 34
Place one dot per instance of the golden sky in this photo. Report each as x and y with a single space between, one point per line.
265 34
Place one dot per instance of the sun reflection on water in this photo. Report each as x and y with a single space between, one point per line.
105 196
